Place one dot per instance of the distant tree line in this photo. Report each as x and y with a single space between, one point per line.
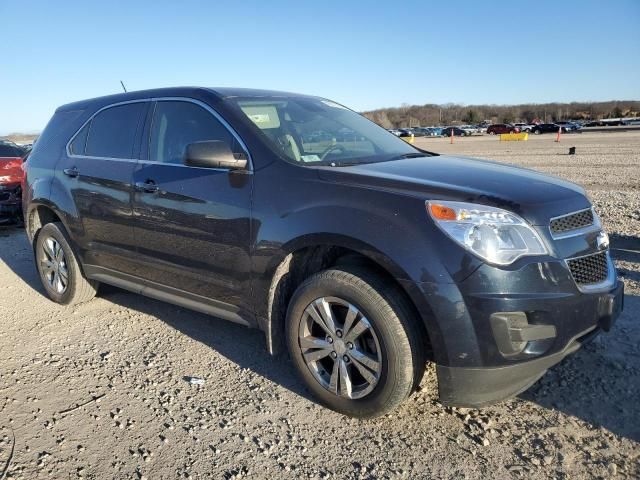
455 114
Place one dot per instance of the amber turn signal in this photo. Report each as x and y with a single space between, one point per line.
441 212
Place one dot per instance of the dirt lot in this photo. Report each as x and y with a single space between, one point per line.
128 356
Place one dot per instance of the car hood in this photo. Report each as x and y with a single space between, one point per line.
534 196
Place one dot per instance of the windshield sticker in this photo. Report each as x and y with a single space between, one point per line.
260 118
263 116
310 158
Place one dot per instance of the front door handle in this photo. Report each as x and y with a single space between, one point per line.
71 172
148 186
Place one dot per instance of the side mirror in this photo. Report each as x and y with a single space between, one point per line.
213 154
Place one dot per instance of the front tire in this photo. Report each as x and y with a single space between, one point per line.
354 342
58 267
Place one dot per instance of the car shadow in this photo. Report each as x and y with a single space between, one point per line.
243 346
19 256
597 385
626 248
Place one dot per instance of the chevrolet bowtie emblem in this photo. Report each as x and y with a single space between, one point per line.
602 241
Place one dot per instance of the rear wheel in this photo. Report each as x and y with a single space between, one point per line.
357 349
59 269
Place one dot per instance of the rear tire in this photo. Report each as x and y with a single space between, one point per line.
59 269
362 375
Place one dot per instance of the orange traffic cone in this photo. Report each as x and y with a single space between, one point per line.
558 136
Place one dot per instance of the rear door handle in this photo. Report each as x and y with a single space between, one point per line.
71 172
148 186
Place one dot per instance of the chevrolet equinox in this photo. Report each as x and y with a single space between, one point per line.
362 254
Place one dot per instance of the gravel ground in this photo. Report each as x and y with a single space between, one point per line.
101 390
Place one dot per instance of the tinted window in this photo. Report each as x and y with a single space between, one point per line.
78 144
113 131
176 124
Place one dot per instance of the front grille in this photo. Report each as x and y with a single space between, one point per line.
4 196
573 221
590 269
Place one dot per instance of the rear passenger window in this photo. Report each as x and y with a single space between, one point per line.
113 131
177 124
78 144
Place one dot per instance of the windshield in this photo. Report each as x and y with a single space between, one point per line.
314 131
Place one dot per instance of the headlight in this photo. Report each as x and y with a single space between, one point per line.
495 235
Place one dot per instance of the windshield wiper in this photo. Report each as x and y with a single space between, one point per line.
408 155
335 163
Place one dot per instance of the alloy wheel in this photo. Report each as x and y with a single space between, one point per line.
340 347
53 265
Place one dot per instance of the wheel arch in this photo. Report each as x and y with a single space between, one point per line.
310 254
38 215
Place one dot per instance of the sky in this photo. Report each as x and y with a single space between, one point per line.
364 54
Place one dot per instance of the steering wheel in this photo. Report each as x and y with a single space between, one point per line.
330 149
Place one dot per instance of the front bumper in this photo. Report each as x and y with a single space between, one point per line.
477 387
472 368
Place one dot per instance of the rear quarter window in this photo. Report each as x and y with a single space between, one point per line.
79 142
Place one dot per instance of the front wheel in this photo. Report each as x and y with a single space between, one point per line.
59 269
357 349
537 132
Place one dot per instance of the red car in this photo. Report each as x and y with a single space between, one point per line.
498 128
11 175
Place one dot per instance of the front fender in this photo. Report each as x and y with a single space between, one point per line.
391 229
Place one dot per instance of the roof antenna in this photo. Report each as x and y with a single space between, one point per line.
123 87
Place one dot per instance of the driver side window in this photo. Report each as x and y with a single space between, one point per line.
176 124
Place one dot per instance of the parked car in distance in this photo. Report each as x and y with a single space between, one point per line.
405 132
595 123
11 175
523 127
457 132
569 126
548 128
366 257
470 129
422 132
499 128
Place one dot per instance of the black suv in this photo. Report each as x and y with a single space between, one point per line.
365 256
548 128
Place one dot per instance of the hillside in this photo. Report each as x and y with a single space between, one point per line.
452 114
